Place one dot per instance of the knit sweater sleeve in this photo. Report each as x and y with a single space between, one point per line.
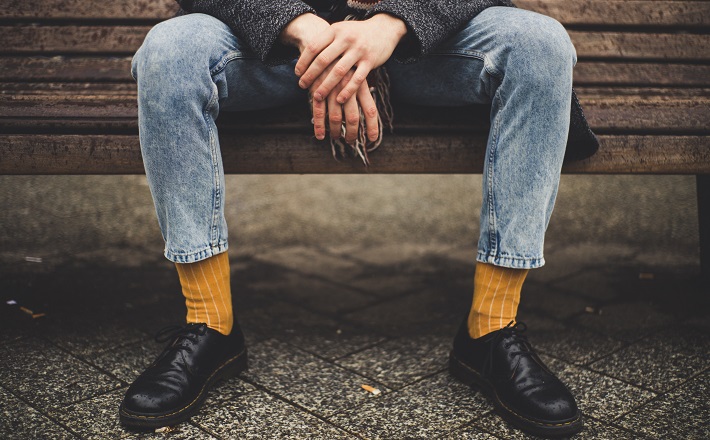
259 23
430 22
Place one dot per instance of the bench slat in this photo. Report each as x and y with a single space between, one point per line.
90 9
623 13
126 40
91 69
574 12
256 154
609 110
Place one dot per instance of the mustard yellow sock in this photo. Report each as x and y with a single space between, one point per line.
208 295
496 295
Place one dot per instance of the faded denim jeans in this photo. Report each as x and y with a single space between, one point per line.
520 62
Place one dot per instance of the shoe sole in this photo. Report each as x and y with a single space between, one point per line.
229 368
471 377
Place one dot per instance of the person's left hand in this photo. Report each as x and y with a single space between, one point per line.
364 45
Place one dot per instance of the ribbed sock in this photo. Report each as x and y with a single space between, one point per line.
208 296
496 295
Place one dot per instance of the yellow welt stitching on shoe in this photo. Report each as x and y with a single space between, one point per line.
224 364
510 410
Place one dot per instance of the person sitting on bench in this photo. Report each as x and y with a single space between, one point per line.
247 55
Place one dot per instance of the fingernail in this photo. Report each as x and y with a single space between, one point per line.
320 137
341 100
302 84
298 72
317 96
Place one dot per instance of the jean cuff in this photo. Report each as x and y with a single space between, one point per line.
512 262
193 257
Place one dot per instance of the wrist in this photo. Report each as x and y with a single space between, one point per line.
395 25
295 32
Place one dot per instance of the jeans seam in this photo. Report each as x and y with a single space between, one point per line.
215 178
226 59
487 65
492 238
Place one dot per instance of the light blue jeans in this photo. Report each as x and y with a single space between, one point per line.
520 62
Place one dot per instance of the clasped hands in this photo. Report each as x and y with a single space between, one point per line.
334 63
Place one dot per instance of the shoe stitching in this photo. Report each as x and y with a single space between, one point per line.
508 409
123 411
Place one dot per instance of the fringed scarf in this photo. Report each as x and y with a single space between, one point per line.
379 83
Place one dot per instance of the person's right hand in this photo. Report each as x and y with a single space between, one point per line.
312 33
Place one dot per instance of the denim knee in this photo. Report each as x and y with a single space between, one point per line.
179 46
539 50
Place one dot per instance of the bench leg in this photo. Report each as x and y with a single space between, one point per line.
703 185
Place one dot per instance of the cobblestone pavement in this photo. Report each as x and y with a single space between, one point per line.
631 340
341 281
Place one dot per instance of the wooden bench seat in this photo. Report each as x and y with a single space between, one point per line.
68 103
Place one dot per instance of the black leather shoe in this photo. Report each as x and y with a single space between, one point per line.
522 389
173 388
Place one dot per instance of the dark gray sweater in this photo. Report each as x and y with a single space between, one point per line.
429 22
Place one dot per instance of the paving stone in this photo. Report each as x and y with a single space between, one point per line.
304 379
401 361
681 414
406 315
311 293
469 433
592 430
539 297
326 337
597 284
97 419
626 321
597 395
573 344
428 409
398 255
259 415
660 361
313 262
127 362
565 261
386 283
89 338
47 377
20 421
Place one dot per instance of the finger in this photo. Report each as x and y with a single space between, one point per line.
319 119
335 116
352 120
369 109
340 70
313 48
360 75
325 58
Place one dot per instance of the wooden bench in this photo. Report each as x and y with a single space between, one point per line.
68 103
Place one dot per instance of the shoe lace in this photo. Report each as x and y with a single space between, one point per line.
179 332
512 334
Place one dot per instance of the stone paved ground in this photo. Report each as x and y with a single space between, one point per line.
321 322
626 326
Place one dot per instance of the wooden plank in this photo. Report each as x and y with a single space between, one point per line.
72 39
92 69
641 74
640 46
88 9
66 68
270 154
571 12
623 13
126 40
609 110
